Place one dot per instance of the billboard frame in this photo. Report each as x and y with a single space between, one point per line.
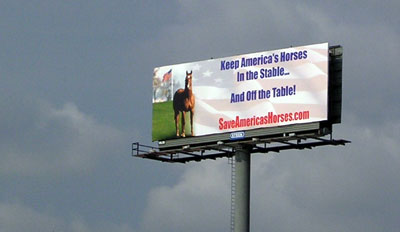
272 139
225 102
228 149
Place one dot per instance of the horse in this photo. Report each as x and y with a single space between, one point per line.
184 102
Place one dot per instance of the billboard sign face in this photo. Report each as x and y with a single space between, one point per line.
239 93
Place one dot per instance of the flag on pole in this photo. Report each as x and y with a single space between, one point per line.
167 76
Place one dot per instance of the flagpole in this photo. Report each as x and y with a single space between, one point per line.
171 80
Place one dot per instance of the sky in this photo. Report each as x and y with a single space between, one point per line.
76 91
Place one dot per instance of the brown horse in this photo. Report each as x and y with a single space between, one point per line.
184 102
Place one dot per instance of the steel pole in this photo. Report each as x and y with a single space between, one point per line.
242 190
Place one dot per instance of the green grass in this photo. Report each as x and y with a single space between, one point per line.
164 122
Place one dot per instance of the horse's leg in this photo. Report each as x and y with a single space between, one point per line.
177 122
183 123
191 121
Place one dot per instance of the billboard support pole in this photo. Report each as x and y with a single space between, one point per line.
242 189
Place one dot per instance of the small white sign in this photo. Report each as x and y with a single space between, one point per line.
237 135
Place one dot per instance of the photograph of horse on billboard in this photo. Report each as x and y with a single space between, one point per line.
239 93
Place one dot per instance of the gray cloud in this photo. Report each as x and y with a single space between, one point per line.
18 217
350 188
198 201
74 81
368 37
39 139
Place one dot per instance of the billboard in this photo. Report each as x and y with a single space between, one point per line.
239 93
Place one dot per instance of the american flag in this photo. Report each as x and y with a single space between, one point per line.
167 76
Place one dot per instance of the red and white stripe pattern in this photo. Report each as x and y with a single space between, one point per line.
213 88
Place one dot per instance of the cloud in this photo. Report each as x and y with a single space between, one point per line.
369 40
71 52
39 139
351 188
19 217
332 188
198 202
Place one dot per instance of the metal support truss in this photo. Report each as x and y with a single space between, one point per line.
227 148
180 155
